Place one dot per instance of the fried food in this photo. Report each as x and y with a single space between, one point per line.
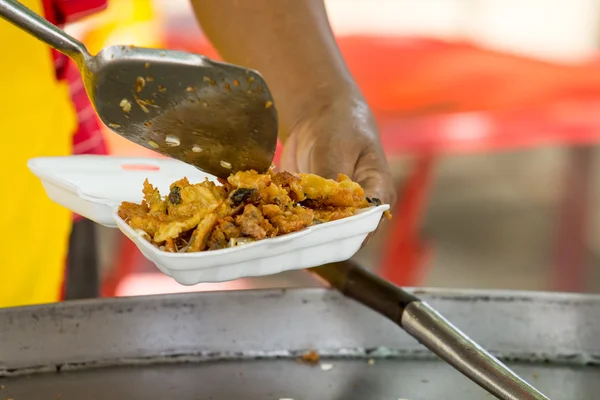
246 207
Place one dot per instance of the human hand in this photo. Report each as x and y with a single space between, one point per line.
340 136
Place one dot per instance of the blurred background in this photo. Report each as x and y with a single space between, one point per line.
489 112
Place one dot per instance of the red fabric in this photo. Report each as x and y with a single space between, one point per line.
88 138
59 12
72 10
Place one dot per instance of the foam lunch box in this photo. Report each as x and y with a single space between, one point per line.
95 186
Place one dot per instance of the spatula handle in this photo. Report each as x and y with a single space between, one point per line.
21 16
432 330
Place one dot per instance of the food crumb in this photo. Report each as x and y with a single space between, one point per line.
147 65
139 84
150 78
326 367
172 141
225 164
110 124
153 144
161 88
310 357
125 105
197 149
371 361
268 104
236 83
189 89
142 104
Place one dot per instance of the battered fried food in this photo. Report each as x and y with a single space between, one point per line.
247 207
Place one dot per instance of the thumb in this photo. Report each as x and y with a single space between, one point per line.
328 162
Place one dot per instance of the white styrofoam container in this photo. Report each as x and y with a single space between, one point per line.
95 186
92 186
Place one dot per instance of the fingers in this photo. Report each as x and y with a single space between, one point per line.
329 160
379 187
374 175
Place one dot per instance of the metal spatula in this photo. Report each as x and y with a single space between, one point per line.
216 116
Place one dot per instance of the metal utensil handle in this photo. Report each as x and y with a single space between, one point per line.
21 16
431 329
441 337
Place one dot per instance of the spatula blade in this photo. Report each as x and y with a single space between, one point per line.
216 116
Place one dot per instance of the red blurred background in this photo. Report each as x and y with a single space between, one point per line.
444 80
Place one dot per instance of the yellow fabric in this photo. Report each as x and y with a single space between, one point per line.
37 118
124 22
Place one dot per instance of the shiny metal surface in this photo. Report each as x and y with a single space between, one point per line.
387 379
426 325
445 340
244 344
216 116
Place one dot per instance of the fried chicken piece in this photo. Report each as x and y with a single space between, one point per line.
267 191
249 180
327 192
252 223
327 214
288 221
138 217
184 199
153 199
128 210
141 219
162 227
243 195
174 227
247 206
202 232
273 194
224 230
291 183
184 209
